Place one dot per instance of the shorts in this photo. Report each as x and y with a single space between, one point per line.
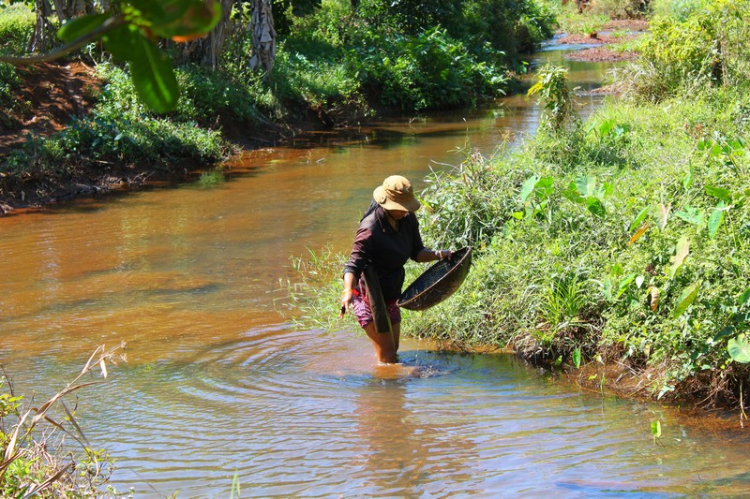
364 314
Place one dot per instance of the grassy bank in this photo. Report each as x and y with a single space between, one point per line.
335 66
623 240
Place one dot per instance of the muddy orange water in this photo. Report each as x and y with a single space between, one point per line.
219 389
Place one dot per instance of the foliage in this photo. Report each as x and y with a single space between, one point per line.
426 71
709 46
621 9
635 248
16 26
128 31
35 460
555 97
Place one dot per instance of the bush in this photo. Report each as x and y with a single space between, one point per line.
16 27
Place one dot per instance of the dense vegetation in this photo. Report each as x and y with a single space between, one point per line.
335 64
623 240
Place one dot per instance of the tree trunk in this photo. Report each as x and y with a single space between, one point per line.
44 36
263 36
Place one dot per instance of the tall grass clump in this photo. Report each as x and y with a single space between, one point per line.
36 458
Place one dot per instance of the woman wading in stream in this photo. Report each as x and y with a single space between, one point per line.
388 235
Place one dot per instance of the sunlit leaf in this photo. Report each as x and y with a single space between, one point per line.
691 215
663 216
719 193
585 186
682 250
103 367
80 26
639 233
715 220
639 218
744 297
528 187
687 297
739 349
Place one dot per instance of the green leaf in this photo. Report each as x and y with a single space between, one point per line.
120 42
596 207
585 186
691 215
744 297
528 187
682 250
739 349
80 26
686 298
719 193
638 219
153 76
577 358
656 429
715 220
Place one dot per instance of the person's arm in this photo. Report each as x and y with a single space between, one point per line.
430 255
346 296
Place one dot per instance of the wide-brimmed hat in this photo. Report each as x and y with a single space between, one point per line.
396 194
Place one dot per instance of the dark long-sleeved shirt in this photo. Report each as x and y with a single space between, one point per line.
378 244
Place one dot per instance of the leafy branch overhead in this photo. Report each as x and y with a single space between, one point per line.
131 35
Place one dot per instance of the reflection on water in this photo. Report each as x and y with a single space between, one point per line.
216 385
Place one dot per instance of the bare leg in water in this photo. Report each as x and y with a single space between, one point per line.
386 346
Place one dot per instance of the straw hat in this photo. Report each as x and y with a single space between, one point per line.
396 194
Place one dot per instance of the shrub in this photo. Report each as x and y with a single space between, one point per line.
16 27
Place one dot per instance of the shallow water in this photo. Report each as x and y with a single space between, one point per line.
218 386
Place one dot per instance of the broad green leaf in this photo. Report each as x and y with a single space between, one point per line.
572 193
528 187
739 349
638 218
606 127
744 297
687 297
595 206
80 26
719 193
120 42
585 186
691 215
546 186
681 252
153 76
715 220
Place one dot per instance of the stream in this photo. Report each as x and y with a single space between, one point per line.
219 389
